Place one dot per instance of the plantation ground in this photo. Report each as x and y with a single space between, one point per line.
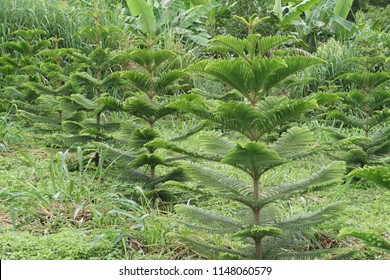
155 134
43 219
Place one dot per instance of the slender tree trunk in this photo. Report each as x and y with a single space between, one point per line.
256 217
152 172
98 117
367 128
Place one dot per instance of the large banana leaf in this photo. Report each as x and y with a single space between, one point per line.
146 18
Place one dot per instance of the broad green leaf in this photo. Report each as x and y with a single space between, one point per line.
297 10
342 8
146 20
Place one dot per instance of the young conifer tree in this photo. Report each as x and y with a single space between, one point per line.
19 64
364 110
94 85
154 81
55 69
253 73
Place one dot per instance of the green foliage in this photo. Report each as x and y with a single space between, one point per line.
152 84
62 19
364 108
146 19
68 244
315 21
9 133
380 175
370 239
259 114
252 155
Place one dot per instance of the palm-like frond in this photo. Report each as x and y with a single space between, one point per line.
294 143
348 119
379 99
191 131
236 73
294 65
139 80
114 79
141 107
208 218
100 58
71 127
244 118
167 79
369 238
76 102
266 44
214 142
228 43
150 60
379 118
195 104
116 154
258 232
264 69
380 175
34 118
109 103
367 81
147 159
253 45
328 176
367 62
310 220
83 79
253 158
40 88
168 145
140 137
222 184
201 245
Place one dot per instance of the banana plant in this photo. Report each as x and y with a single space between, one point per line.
316 20
179 18
254 76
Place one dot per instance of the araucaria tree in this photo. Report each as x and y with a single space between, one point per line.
153 83
253 73
364 108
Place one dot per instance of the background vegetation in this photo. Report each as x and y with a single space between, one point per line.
155 129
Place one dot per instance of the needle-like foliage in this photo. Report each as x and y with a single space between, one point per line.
254 74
